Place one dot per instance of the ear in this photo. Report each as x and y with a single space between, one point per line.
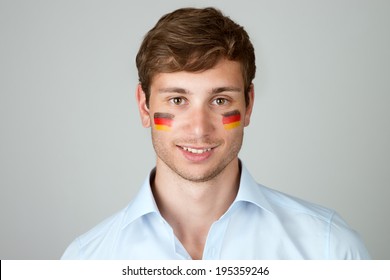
143 109
248 111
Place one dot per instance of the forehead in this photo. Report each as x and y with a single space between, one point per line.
225 73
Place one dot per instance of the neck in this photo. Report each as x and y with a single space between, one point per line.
192 207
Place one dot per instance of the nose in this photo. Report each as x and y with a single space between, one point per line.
201 122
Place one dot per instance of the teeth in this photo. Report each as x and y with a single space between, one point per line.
196 151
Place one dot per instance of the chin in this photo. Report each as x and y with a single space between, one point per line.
200 177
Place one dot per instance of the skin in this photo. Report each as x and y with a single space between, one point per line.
204 185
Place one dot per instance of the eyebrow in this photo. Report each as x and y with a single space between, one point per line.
213 91
173 90
225 89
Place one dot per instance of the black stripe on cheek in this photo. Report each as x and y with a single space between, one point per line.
231 113
163 115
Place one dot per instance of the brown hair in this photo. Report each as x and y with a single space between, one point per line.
193 40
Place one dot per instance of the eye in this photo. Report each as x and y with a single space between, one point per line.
177 101
220 101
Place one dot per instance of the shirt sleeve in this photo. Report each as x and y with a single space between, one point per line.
343 242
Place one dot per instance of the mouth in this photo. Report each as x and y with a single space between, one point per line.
197 154
196 150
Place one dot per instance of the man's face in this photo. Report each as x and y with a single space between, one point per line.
198 119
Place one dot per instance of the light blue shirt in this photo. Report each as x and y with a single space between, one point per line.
261 223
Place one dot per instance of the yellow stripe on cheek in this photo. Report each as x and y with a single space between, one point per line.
231 125
162 127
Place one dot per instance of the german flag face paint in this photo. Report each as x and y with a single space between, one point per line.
231 119
163 121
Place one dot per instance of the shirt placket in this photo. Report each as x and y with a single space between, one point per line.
215 237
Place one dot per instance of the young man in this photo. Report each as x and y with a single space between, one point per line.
196 68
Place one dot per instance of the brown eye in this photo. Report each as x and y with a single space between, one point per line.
177 100
220 101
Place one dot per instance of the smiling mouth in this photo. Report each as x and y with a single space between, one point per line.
196 151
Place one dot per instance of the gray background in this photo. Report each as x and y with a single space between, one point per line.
73 151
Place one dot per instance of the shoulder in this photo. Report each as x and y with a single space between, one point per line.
300 216
97 241
284 203
102 240
278 203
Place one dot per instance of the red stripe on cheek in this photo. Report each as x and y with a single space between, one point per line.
232 118
163 121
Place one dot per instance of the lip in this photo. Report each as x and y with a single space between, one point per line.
194 156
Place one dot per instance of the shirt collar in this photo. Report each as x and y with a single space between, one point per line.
144 202
252 192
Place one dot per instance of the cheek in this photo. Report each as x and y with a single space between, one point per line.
231 120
